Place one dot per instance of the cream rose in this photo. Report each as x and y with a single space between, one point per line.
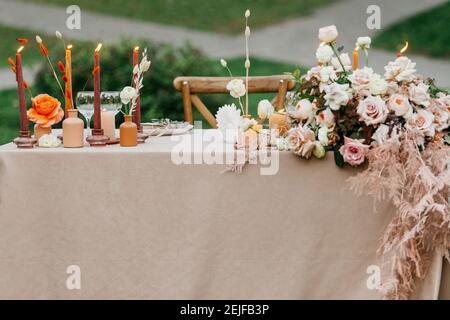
382 135
363 42
377 85
422 121
128 94
354 151
441 117
303 110
328 34
265 109
49 141
372 110
236 87
419 94
360 80
337 95
345 59
326 118
402 69
400 105
324 54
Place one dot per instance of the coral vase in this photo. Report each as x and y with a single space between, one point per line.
73 130
128 133
39 131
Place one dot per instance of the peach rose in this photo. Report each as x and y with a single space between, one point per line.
45 110
354 151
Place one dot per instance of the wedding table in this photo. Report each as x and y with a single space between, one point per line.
140 225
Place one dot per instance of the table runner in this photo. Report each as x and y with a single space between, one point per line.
140 226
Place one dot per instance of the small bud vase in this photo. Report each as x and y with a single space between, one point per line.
73 130
39 131
128 133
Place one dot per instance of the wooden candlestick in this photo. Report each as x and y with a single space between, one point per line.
97 138
24 139
137 112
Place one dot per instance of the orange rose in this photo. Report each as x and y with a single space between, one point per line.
45 110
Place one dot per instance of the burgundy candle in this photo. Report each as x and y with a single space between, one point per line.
21 91
97 114
137 112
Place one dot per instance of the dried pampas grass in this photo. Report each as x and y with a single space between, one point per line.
418 184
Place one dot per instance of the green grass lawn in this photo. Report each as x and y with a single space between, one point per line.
9 111
31 53
428 33
216 15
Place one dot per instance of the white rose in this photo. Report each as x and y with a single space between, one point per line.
337 95
381 135
49 141
419 94
400 105
345 59
422 121
236 88
265 109
303 110
327 74
328 34
377 85
326 118
322 136
314 72
128 94
363 42
324 54
360 80
402 69
372 110
246 123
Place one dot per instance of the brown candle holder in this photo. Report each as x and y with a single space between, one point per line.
97 138
141 136
24 140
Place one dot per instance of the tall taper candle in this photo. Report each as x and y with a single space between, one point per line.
69 98
97 114
355 58
21 91
137 111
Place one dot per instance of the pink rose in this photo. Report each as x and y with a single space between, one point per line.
354 151
372 110
328 34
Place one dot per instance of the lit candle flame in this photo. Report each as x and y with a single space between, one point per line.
20 49
136 48
98 47
69 46
405 47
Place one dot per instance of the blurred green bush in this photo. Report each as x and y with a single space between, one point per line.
158 97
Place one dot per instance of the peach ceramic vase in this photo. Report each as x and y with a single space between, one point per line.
39 131
128 133
73 130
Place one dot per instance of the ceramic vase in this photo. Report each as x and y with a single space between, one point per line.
73 130
128 133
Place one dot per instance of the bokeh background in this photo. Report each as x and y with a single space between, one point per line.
188 37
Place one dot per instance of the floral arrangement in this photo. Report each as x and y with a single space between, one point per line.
229 117
398 123
130 94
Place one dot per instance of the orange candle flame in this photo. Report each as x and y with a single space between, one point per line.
136 48
69 46
98 47
405 47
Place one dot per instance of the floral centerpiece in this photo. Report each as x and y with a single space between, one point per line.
398 123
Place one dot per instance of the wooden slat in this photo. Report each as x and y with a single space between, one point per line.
188 117
204 110
218 84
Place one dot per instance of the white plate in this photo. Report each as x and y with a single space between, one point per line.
152 131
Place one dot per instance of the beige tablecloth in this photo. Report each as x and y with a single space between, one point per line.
139 226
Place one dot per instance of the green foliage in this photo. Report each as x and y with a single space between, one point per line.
158 97
427 33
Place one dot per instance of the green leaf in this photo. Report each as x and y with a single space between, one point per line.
338 159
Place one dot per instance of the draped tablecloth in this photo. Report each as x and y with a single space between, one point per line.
140 225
